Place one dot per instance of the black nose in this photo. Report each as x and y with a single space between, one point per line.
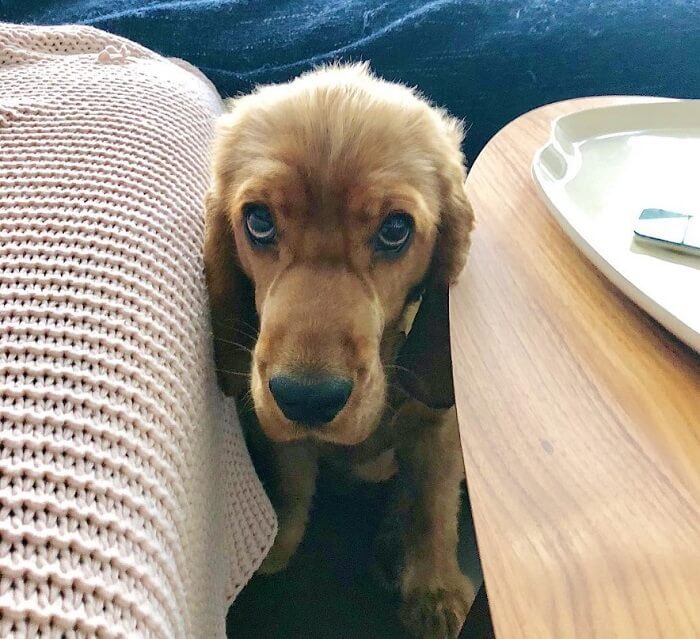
311 401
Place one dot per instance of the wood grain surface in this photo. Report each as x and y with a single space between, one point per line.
580 422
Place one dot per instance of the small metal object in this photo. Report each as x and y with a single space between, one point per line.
676 231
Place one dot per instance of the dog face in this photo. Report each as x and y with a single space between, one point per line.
333 198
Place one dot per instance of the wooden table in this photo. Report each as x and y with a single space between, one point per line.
580 421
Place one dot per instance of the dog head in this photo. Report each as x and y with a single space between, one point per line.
337 200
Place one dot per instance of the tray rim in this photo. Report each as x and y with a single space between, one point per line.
660 313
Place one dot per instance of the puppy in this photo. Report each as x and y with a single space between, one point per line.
336 221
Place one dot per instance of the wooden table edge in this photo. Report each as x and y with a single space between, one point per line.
558 109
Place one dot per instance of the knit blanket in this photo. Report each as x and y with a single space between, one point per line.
128 504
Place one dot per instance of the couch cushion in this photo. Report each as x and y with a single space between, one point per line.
486 60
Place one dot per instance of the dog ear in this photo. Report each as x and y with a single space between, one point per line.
425 363
231 299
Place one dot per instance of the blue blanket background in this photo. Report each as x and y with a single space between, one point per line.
485 60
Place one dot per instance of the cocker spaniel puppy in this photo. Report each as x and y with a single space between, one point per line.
336 221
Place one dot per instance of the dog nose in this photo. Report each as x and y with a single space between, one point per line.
311 401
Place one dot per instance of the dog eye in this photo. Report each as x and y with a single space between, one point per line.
259 224
394 234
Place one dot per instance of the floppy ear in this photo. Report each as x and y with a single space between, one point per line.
425 363
231 299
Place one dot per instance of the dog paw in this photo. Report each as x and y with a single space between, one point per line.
277 559
438 613
289 536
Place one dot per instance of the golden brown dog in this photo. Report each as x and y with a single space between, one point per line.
337 204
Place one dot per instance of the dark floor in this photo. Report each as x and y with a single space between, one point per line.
326 592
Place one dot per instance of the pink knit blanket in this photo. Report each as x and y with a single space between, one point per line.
128 503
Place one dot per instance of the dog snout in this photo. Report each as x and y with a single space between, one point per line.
311 400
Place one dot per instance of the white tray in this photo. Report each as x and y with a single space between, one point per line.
600 169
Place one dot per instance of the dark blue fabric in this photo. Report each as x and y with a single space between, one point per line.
485 60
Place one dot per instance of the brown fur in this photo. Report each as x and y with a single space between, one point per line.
330 154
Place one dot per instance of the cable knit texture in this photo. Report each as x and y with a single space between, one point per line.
128 503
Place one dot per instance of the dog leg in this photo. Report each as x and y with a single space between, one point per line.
436 596
296 467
